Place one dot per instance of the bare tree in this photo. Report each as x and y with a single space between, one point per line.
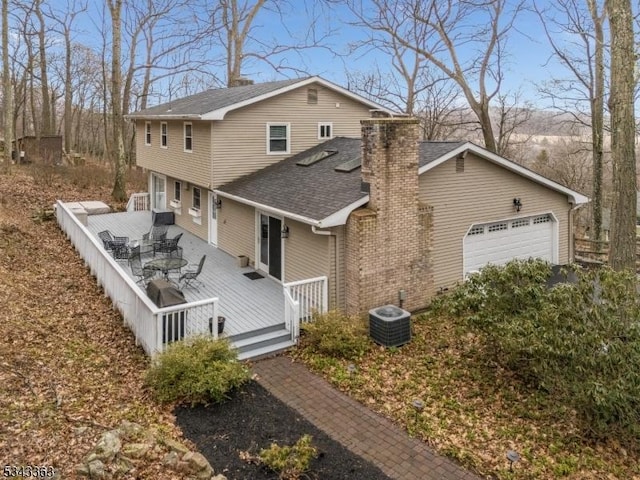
65 20
115 9
47 115
622 254
242 44
512 114
6 85
438 29
582 53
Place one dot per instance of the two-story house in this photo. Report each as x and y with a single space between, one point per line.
298 177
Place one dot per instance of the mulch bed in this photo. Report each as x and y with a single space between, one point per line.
253 419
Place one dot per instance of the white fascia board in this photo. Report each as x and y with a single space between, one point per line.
220 113
267 209
574 197
341 216
164 116
338 218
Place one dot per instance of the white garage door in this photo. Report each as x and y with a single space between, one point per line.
499 242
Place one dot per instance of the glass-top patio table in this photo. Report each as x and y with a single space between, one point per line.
166 264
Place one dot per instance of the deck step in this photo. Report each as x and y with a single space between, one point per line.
254 333
265 351
261 340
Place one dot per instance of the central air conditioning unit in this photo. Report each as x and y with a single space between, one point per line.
390 326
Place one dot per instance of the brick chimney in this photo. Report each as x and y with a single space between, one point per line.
388 241
240 82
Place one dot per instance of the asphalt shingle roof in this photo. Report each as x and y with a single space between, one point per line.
317 191
214 99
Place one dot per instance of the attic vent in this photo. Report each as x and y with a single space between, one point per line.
459 164
312 96
316 157
349 166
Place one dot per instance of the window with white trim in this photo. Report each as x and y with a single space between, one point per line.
164 134
476 230
325 131
196 198
496 227
188 137
278 138
147 133
522 222
177 191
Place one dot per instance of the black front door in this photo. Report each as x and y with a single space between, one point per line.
270 245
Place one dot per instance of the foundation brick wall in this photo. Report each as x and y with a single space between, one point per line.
388 242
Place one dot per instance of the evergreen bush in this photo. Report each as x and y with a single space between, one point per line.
579 342
337 335
197 370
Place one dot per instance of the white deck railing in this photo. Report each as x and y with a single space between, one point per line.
302 299
291 315
138 201
152 327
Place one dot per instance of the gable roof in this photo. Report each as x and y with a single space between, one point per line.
215 103
319 195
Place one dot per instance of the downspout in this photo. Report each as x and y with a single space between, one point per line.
328 233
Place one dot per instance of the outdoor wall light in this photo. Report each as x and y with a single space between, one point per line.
218 203
517 204
284 233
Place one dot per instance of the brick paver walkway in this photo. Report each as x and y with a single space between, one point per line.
361 430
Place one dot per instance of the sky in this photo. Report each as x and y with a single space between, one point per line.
528 51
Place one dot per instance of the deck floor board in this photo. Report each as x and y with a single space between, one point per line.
246 304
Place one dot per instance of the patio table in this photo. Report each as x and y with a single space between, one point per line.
166 264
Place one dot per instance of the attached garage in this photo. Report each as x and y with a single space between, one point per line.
516 238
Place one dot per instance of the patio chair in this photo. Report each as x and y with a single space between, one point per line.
189 276
156 233
144 274
107 237
119 248
167 246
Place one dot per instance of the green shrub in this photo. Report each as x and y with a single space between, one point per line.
290 462
337 335
579 342
197 370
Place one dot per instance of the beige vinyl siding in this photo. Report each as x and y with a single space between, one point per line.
240 140
183 219
194 167
237 229
483 192
306 254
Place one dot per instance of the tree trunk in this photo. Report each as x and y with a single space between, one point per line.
47 128
597 118
68 93
119 193
6 86
622 253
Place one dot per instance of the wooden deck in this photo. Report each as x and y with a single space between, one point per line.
246 304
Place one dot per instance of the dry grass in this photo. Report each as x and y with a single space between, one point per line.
474 411
66 360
